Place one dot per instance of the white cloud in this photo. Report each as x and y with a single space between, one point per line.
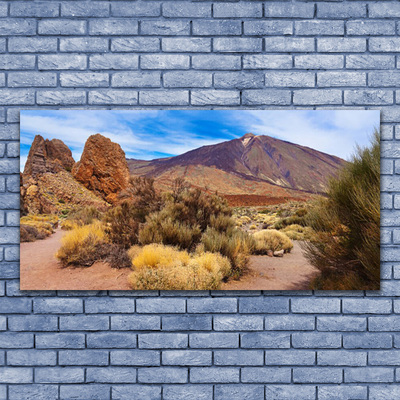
333 132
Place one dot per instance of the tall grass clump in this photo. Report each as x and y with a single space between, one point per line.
159 267
271 240
346 247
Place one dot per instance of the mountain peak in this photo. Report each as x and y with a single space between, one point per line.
248 135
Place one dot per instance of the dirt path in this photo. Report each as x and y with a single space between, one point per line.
291 272
40 270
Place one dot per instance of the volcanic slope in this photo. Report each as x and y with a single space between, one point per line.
251 165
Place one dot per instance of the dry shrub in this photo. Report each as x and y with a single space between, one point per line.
194 207
245 219
122 226
159 267
143 196
83 216
298 232
80 246
116 256
185 215
347 225
29 233
292 220
233 244
271 239
68 224
160 228
37 227
222 222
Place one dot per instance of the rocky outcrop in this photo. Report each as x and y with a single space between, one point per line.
48 156
102 168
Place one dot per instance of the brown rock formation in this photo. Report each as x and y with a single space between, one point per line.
48 156
102 167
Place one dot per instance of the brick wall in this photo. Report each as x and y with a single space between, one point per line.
199 345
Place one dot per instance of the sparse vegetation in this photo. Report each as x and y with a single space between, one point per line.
346 247
83 216
185 215
29 233
271 240
37 227
160 267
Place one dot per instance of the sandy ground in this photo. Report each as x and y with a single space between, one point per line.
40 270
290 272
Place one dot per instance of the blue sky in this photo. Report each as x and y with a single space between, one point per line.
162 133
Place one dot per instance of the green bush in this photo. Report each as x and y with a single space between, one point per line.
346 247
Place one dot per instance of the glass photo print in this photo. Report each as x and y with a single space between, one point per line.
200 200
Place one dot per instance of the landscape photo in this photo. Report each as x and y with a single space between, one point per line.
200 200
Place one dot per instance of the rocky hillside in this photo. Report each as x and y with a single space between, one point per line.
52 181
259 165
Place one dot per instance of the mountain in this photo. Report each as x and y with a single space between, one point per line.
250 165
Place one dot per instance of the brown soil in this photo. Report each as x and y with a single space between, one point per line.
290 272
247 200
40 270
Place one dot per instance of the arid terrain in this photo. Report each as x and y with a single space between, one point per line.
38 260
292 272
87 225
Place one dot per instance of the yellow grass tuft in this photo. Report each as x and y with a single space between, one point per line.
78 246
159 267
271 239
